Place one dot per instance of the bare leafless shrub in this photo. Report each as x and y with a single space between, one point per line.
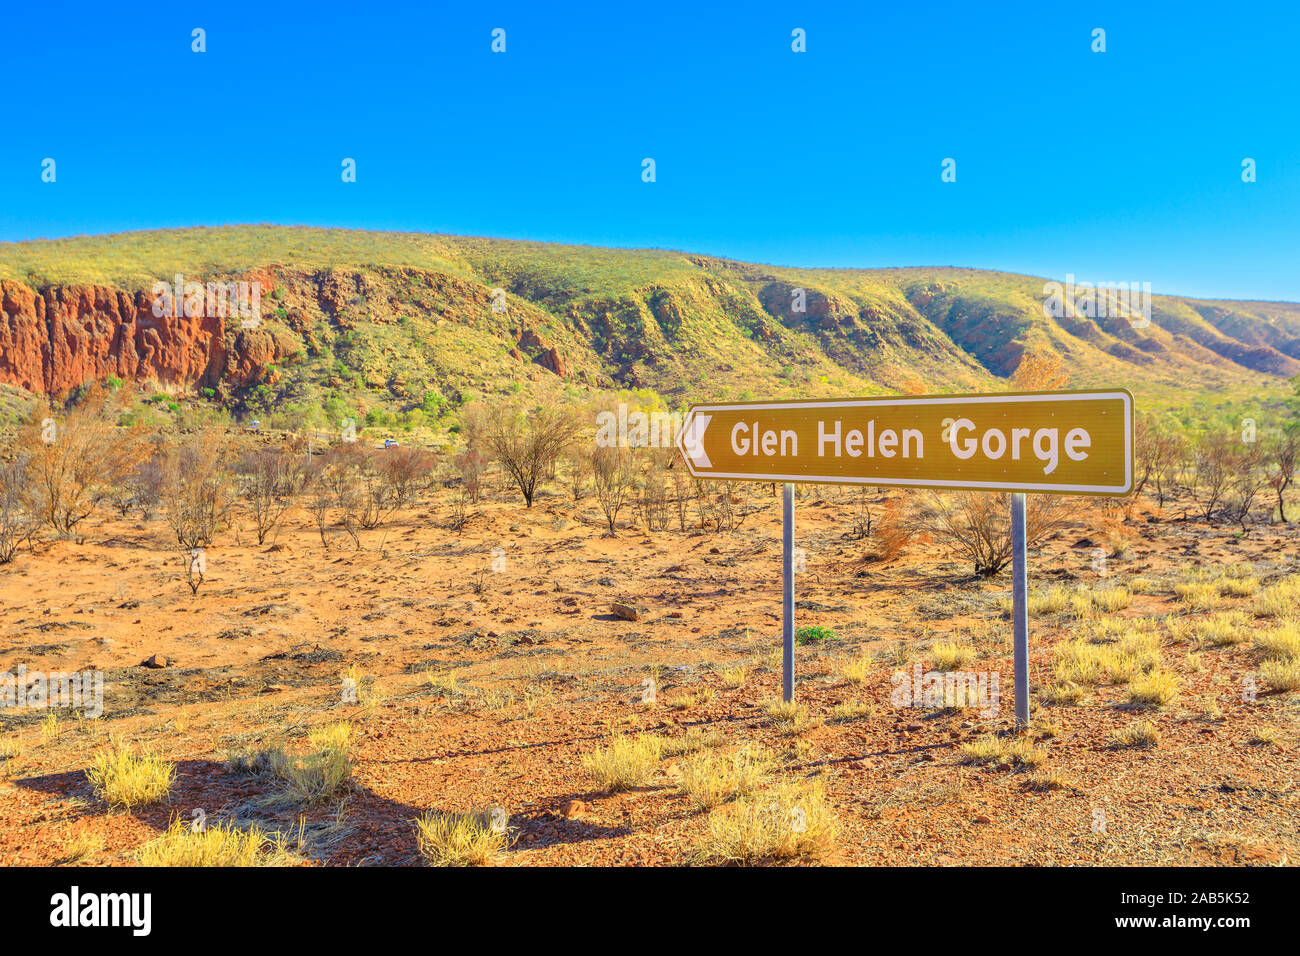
680 477
319 502
460 502
578 456
271 480
196 568
17 521
197 493
470 464
337 493
860 515
404 470
613 479
1228 476
1158 454
1039 371
978 524
1246 483
652 500
725 504
376 498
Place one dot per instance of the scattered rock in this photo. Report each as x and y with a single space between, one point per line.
573 808
156 661
625 611
1084 543
983 818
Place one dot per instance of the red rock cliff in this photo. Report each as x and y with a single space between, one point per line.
63 336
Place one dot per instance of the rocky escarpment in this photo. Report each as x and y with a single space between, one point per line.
56 338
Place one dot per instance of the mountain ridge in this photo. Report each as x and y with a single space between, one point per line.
373 319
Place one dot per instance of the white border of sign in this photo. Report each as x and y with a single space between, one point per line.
1039 487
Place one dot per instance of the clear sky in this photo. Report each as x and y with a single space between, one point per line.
1117 166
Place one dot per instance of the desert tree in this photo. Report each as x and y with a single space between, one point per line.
1281 453
75 464
526 441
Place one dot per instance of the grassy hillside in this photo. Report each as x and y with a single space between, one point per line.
393 322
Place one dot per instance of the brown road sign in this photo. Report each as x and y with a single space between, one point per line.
1049 442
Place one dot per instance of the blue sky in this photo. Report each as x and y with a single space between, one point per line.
1115 166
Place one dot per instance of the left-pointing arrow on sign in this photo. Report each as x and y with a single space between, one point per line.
692 442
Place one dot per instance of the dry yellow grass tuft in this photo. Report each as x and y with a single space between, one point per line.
326 770
1047 601
221 845
462 839
1046 780
1263 737
709 780
1062 692
736 677
1223 630
791 717
1280 599
951 656
1141 733
1282 644
851 710
1281 675
627 762
1200 595
693 741
1081 662
1237 587
1153 689
993 751
791 820
123 777
82 846
51 728
858 670
1110 600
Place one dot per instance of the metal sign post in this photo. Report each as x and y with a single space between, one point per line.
1019 608
787 592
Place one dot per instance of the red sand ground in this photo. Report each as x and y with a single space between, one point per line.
261 651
